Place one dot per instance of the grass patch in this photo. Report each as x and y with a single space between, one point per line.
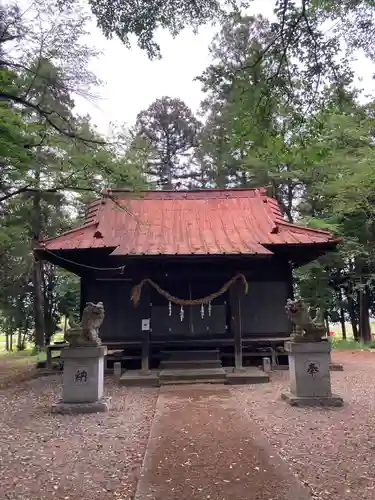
58 337
341 344
350 345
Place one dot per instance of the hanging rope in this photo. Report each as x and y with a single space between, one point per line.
137 290
85 266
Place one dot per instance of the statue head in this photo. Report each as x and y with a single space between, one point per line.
293 306
95 307
93 314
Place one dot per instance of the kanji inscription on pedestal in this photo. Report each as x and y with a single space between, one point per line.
312 368
80 376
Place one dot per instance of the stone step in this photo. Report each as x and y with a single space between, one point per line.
191 354
249 375
194 381
135 378
183 364
193 375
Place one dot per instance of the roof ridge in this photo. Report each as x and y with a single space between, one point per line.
120 190
304 228
268 212
193 194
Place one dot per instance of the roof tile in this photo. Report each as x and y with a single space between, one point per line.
244 221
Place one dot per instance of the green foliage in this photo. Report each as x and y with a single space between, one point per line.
143 18
167 131
316 155
280 109
68 294
297 32
52 160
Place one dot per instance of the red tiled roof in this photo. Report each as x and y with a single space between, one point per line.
238 221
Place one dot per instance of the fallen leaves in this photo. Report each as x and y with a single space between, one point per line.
71 457
329 450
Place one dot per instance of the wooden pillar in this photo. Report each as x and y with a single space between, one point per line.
146 305
235 311
145 351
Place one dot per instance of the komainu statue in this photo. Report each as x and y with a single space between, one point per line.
87 333
308 329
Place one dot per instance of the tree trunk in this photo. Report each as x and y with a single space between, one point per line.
38 304
342 315
354 326
24 338
19 341
364 316
221 170
169 185
343 324
361 271
37 275
7 341
352 316
48 300
352 306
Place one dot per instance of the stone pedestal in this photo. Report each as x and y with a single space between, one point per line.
266 365
83 381
309 375
117 369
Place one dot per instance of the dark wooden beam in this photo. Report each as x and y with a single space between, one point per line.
275 269
145 351
146 333
235 310
303 253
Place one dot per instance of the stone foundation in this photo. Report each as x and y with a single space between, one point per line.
83 381
72 408
309 375
293 400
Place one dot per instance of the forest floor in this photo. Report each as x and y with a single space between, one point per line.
16 367
202 442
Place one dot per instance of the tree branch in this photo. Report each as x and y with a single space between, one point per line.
14 193
29 189
47 116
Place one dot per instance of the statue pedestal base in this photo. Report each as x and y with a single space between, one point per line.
83 381
72 408
309 375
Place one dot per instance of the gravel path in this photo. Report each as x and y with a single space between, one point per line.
44 456
202 447
332 451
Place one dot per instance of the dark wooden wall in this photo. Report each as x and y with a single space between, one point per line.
262 309
122 320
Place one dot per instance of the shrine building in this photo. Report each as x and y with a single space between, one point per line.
188 271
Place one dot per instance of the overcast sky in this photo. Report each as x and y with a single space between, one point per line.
132 82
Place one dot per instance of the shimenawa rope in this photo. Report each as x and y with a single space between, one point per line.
137 290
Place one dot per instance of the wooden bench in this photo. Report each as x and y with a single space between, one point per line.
53 347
